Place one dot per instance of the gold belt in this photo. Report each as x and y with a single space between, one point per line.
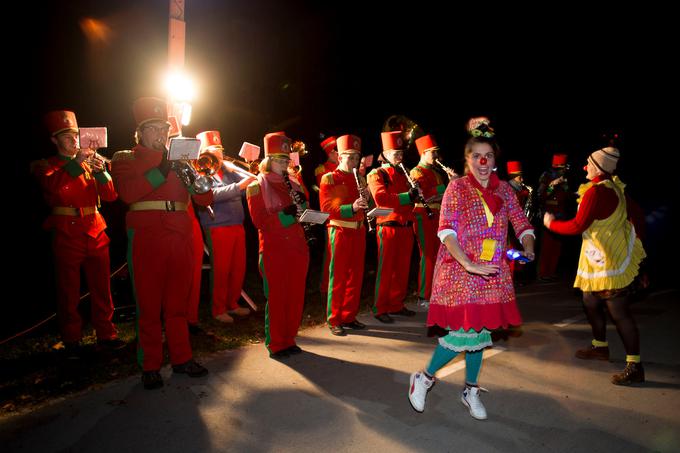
346 223
78 212
431 205
160 205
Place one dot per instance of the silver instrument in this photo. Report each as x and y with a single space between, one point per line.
370 221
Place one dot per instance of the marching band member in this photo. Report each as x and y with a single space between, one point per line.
329 146
523 193
554 196
339 196
432 182
284 255
225 236
72 183
159 255
390 189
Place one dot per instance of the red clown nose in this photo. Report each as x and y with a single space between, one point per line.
482 161
585 168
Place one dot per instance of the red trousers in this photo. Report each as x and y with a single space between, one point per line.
425 229
162 277
395 245
346 273
551 247
323 286
283 265
227 245
70 254
195 298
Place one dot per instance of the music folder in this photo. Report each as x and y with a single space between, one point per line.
184 148
379 212
312 216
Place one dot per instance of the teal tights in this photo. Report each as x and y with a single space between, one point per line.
442 356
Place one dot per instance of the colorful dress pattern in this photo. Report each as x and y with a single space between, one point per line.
463 300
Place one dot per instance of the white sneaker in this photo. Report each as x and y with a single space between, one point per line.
470 398
417 390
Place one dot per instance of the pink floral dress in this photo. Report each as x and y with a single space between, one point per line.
462 301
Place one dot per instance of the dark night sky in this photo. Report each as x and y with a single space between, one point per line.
553 84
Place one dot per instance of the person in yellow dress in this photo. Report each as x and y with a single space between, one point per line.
609 262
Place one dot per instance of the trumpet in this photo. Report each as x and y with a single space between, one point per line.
97 156
241 168
362 193
449 171
238 170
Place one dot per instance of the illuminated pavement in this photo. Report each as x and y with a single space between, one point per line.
349 394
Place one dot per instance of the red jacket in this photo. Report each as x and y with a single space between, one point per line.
389 188
66 183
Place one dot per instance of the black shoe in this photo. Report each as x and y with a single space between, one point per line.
633 373
195 329
282 354
338 331
295 349
112 344
404 312
384 318
356 325
191 368
72 351
152 380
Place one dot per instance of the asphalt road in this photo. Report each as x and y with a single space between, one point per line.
349 394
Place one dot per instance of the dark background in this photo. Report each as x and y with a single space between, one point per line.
550 80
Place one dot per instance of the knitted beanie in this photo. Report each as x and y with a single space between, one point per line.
605 159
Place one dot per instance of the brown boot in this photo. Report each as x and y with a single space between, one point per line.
633 373
593 353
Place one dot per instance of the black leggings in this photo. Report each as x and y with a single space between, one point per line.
619 309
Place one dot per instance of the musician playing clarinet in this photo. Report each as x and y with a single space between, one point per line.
339 195
432 181
390 189
275 201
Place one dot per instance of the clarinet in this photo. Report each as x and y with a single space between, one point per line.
295 196
449 171
421 199
362 194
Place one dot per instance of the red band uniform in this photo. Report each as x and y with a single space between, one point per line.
555 199
433 183
346 238
514 169
284 255
390 189
160 254
73 192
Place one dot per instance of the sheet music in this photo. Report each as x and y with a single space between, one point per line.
312 216
379 212
184 148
